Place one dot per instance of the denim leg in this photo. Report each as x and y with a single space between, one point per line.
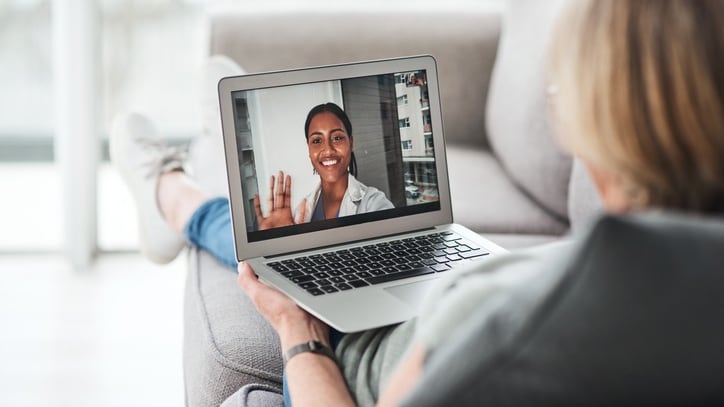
285 390
210 229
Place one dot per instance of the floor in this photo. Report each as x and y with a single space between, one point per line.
108 336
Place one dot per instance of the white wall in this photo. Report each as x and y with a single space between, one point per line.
277 118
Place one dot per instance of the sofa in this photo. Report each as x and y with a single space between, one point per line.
508 179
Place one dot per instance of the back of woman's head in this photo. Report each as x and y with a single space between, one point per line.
639 92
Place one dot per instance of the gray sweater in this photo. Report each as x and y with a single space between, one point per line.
369 358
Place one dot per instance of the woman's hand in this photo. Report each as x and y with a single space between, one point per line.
293 324
280 204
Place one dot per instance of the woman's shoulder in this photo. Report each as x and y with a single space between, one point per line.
369 197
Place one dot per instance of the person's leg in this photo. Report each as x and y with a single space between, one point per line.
169 203
204 222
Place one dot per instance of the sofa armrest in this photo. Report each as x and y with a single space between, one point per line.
464 43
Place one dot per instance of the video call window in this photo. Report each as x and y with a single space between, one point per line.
370 137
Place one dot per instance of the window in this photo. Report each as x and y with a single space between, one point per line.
404 123
407 144
29 178
402 100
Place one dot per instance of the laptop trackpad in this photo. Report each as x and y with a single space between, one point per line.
414 293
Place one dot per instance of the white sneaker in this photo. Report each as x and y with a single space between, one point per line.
141 156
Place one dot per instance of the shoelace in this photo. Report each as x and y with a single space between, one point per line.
171 157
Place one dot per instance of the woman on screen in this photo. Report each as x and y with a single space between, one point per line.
330 143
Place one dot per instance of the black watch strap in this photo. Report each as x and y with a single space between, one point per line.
311 346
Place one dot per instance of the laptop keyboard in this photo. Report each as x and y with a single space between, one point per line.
377 263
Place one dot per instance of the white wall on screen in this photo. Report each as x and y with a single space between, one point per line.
277 118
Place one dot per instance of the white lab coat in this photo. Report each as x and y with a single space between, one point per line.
359 198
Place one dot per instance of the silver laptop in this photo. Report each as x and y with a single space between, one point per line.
359 225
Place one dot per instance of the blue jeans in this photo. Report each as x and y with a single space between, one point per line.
210 229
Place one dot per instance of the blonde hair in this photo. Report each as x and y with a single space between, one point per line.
640 92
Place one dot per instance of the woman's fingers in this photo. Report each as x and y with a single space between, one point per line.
270 200
301 212
279 195
288 192
257 208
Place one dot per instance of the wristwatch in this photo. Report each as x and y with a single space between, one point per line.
311 346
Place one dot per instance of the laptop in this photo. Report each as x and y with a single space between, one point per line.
372 133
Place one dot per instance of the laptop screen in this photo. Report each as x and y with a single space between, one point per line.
321 155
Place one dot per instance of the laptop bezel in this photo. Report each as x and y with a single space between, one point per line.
344 234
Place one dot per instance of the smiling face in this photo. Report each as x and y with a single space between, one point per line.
330 147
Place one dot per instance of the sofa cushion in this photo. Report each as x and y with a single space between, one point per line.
255 395
463 43
486 201
632 319
227 344
584 204
518 127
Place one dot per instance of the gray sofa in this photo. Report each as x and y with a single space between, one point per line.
508 179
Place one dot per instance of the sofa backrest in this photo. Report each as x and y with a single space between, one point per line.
519 128
634 319
462 41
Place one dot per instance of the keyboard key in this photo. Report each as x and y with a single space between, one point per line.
278 267
302 279
320 275
454 257
290 274
400 275
451 237
347 270
323 281
472 254
378 271
441 259
343 286
429 262
451 244
358 283
462 248
322 267
440 267
451 250
308 285
329 289
315 291
364 274
337 280
361 267
335 273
